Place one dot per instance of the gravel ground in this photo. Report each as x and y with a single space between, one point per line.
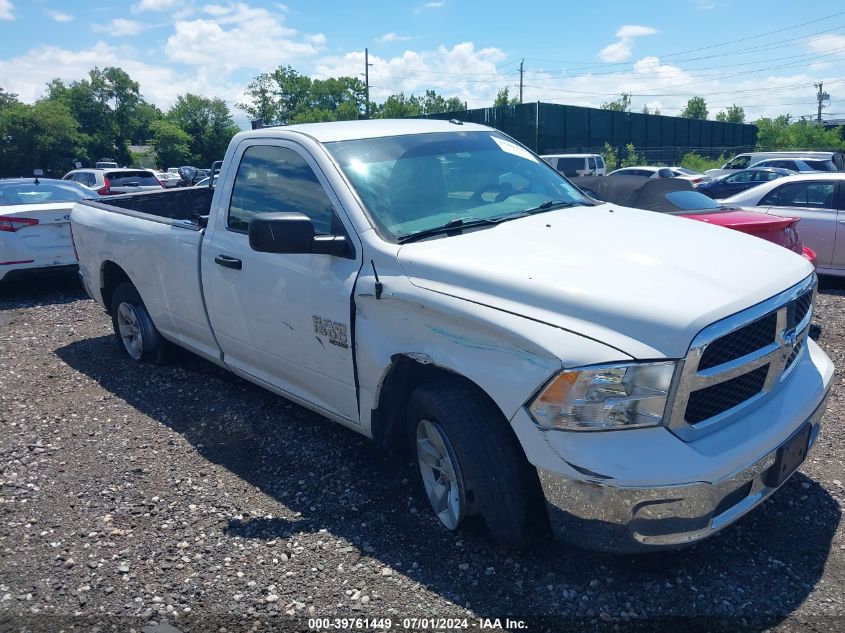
182 496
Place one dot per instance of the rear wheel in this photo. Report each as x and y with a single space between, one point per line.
471 464
135 331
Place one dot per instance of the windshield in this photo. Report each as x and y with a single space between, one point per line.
31 193
820 165
692 201
418 182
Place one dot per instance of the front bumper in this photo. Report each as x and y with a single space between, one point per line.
637 490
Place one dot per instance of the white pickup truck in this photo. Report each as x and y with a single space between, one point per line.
627 379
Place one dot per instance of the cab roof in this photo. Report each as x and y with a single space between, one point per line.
372 128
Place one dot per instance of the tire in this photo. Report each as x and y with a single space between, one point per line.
134 330
487 473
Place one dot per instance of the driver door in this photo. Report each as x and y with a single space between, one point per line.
283 319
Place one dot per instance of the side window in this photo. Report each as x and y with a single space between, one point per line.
591 163
812 195
744 176
740 162
276 179
600 162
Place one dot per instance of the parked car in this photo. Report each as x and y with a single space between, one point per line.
746 160
632 379
34 224
798 165
168 179
693 176
204 182
573 165
106 163
732 184
818 199
115 181
677 197
662 172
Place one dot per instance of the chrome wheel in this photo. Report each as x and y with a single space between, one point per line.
130 330
441 474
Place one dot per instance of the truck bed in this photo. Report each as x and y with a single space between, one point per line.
183 204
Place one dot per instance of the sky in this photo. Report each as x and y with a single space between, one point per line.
580 53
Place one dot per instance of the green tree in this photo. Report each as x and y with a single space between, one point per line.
110 111
631 159
732 114
699 163
779 133
399 106
208 124
44 135
503 98
622 104
285 96
7 99
611 157
433 103
647 111
696 108
171 144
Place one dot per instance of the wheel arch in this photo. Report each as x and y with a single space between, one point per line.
111 276
406 372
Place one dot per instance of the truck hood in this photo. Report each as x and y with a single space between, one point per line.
642 282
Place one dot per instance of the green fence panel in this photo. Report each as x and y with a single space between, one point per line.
553 128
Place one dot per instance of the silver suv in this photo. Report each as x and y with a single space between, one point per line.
115 181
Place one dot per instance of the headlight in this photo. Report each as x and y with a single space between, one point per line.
625 396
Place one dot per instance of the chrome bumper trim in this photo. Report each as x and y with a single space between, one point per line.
598 515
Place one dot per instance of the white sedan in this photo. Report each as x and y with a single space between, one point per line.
662 172
818 199
34 224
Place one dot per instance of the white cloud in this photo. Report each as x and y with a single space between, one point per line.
622 49
28 74
120 27
616 52
245 37
454 71
154 5
438 4
392 37
6 8
826 44
635 30
60 16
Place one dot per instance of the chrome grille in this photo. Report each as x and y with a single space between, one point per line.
737 361
713 400
738 343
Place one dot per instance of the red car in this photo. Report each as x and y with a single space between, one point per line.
676 196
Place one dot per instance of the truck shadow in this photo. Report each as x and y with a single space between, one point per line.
40 289
752 575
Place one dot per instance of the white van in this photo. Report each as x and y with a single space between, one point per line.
743 161
574 165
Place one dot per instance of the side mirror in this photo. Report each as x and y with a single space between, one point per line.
292 233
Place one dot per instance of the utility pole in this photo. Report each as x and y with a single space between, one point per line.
367 82
521 64
821 97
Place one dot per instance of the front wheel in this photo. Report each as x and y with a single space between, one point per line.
471 463
135 331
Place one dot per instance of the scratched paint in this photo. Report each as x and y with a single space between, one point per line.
465 341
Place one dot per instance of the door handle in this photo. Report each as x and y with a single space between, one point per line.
841 221
228 262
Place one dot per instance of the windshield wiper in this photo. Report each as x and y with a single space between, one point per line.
550 205
453 225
